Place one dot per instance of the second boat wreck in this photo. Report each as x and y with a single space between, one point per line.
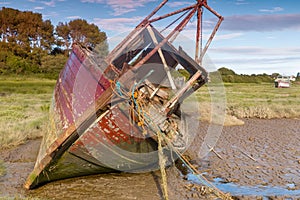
107 113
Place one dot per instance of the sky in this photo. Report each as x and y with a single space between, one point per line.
256 36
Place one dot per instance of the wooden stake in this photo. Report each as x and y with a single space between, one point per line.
213 150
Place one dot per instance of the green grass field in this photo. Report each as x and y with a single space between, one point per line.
24 105
256 100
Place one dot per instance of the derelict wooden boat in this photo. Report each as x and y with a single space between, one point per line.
106 112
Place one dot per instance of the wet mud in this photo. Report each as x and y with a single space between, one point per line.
259 160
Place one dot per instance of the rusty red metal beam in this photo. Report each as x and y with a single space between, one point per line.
198 35
202 3
211 38
170 104
172 13
145 21
178 28
136 31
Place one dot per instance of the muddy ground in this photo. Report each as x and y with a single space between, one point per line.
259 160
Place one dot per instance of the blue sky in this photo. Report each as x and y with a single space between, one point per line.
257 36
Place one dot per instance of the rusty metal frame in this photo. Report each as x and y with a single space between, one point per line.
195 8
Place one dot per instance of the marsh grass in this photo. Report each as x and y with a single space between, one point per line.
2 168
24 105
254 100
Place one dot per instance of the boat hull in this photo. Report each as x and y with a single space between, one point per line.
106 115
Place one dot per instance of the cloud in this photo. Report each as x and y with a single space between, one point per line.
74 17
118 24
285 64
38 8
262 23
5 3
275 9
49 3
121 7
255 59
227 36
258 51
241 2
179 3
51 15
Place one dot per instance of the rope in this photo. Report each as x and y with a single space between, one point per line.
162 163
195 172
138 107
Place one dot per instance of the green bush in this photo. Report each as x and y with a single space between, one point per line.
229 76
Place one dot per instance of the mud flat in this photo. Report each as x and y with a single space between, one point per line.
259 160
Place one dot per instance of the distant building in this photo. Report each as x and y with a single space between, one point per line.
282 82
292 78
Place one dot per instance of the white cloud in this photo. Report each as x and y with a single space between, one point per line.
241 2
38 8
257 65
256 59
50 15
179 3
118 24
262 23
121 7
74 17
274 9
49 3
258 51
5 3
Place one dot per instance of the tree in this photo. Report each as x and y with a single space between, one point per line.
24 31
226 71
274 75
28 44
63 35
79 31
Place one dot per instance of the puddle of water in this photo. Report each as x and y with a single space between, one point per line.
238 190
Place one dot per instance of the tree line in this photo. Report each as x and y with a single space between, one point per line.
229 76
29 44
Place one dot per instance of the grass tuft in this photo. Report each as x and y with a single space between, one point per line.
2 168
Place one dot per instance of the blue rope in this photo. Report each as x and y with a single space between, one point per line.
118 86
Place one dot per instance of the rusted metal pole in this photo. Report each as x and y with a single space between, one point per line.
212 10
122 45
211 38
198 35
172 13
179 28
203 51
145 21
168 106
133 34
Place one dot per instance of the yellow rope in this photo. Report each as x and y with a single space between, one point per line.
162 162
216 191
